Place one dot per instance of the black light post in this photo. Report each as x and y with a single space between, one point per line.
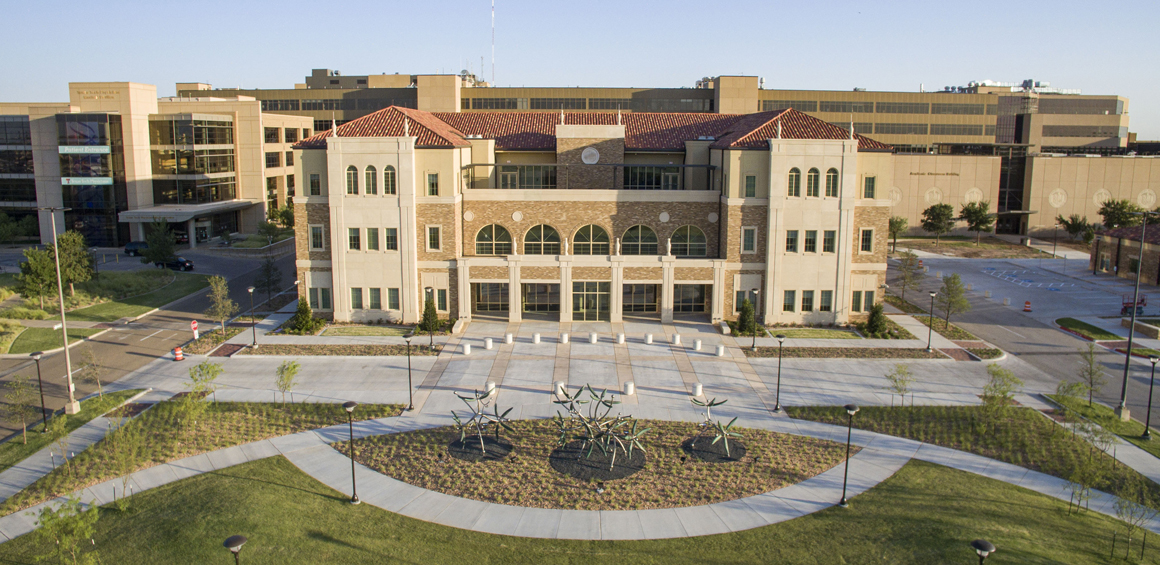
756 292
410 394
930 328
777 397
349 407
253 324
431 296
1122 409
1147 435
851 410
234 544
1054 240
983 548
39 381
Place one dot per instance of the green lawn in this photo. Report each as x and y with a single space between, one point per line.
14 450
1107 419
366 330
259 241
923 514
1087 330
905 305
814 333
184 285
43 339
953 332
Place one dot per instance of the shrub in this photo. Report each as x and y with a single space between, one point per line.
304 322
21 313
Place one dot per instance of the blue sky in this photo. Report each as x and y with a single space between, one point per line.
1100 48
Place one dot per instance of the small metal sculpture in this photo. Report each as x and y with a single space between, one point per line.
480 419
721 432
596 429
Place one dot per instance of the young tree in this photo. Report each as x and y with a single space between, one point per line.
269 230
91 371
65 529
58 431
1001 389
202 377
952 298
430 322
269 278
76 262
900 380
285 377
37 278
1074 225
897 227
161 243
1091 373
29 227
8 228
1132 509
938 219
746 324
304 322
126 452
286 216
908 273
876 322
1120 213
20 403
221 307
979 218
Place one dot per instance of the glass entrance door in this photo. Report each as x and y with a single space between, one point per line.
541 298
488 298
591 301
641 298
689 298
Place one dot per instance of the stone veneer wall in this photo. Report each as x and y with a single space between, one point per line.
737 217
878 219
577 175
443 215
311 214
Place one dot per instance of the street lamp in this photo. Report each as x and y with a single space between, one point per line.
777 397
851 410
1147 435
1054 240
983 548
410 394
1122 409
253 324
755 292
430 296
234 544
930 326
349 406
73 406
39 381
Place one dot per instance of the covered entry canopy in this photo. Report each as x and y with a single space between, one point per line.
175 213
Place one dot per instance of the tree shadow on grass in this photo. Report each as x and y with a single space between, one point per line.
318 493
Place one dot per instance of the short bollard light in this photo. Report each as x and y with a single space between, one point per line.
620 339
648 339
698 389
508 338
536 338
234 544
696 345
564 338
593 337
487 343
349 406
851 409
983 548
676 339
629 388
720 350
467 349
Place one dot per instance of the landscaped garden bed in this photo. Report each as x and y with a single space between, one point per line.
342 349
210 340
15 450
811 332
365 330
846 353
1086 330
988 248
904 305
949 331
986 353
669 474
1106 418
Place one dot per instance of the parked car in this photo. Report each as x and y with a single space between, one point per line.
176 264
180 237
135 248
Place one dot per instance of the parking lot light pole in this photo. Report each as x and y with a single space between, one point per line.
234 544
253 324
1147 435
1122 410
930 323
349 406
40 381
851 409
756 295
73 406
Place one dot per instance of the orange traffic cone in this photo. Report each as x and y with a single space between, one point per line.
1027 306
920 263
177 356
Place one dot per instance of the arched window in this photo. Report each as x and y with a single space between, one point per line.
591 240
812 183
639 240
542 240
352 180
372 180
388 180
795 182
689 241
832 183
493 240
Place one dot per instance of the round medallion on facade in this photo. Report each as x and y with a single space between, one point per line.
934 195
972 195
1057 198
895 195
1147 199
590 156
517 216
468 215
1101 196
712 217
664 217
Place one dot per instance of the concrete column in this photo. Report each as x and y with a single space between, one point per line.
718 308
140 231
464 289
190 230
565 289
515 300
617 307
668 278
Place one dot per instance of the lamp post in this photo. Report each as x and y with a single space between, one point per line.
851 410
1147 435
410 394
73 406
253 324
349 406
40 382
756 292
234 544
777 396
1122 410
930 327
983 548
431 331
1054 240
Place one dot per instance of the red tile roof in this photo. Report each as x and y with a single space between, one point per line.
536 131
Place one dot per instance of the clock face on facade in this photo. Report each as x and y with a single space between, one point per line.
590 156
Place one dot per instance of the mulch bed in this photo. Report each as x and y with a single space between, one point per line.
970 344
575 462
709 452
847 353
958 354
227 350
132 409
469 449
986 353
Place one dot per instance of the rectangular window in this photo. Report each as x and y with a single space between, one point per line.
867 241
315 184
789 301
829 241
352 236
320 298
750 186
433 184
826 304
1133 265
272 135
317 242
289 186
392 299
868 301
376 299
356 302
391 239
273 159
807 301
305 133
791 241
868 191
749 240
289 158
741 296
372 239
856 301
291 135
811 243
902 108
441 300
433 242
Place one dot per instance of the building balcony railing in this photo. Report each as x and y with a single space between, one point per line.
617 176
